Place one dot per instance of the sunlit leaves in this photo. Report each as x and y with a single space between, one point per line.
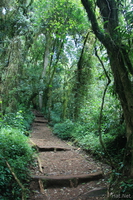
59 16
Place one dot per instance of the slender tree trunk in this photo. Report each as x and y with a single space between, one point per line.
45 64
65 99
57 50
80 82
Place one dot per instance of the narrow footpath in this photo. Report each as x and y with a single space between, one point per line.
63 172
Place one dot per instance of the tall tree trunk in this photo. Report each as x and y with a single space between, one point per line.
80 82
125 93
57 50
45 64
119 62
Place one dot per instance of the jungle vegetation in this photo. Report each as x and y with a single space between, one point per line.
72 60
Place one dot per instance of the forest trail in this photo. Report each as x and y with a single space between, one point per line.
63 172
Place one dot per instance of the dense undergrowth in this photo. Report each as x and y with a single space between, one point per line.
84 132
81 134
15 154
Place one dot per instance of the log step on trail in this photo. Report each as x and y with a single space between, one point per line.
68 180
43 149
41 121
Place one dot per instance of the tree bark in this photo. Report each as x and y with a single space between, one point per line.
80 82
57 50
45 64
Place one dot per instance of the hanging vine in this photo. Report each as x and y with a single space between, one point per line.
101 109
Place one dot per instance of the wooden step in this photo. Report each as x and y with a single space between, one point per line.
54 148
67 180
39 115
41 121
42 148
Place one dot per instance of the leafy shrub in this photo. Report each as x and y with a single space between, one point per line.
115 145
77 132
83 135
15 150
90 142
21 120
55 118
127 187
64 130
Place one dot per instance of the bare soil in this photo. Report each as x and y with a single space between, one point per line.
59 159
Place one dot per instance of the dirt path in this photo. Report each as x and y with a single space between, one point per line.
63 172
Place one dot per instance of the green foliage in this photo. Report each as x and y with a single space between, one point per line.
22 52
63 130
15 150
78 133
68 15
55 118
89 142
127 187
121 185
84 132
55 114
21 120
